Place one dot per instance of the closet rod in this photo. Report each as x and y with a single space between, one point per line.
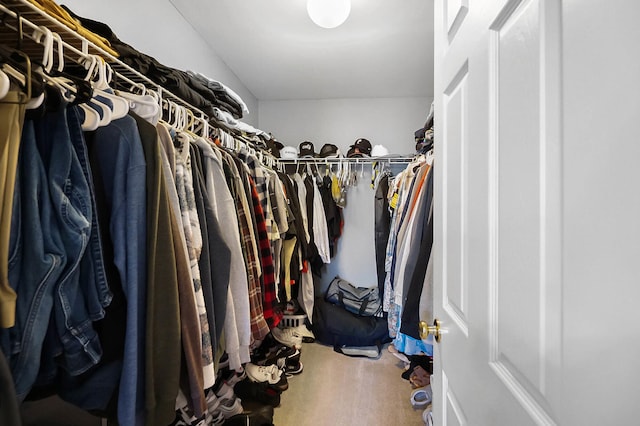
34 18
26 13
357 160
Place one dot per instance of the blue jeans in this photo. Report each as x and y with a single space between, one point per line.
93 277
71 196
53 220
35 264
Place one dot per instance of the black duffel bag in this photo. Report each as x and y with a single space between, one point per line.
337 327
358 300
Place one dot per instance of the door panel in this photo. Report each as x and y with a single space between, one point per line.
454 413
537 230
456 10
522 208
497 141
455 292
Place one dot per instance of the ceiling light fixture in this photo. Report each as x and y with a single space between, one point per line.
328 13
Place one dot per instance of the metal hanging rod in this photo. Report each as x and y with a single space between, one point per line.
356 160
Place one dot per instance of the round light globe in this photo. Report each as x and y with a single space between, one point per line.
328 13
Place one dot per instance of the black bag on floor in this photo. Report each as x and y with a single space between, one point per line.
337 327
363 301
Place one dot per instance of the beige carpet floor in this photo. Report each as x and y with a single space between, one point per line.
337 390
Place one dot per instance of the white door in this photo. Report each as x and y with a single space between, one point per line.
537 244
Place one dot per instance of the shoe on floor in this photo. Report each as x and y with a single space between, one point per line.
292 369
421 397
287 336
230 407
282 384
231 377
255 414
278 352
261 374
228 403
427 416
307 335
259 392
185 417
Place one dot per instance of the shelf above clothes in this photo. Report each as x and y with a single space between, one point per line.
23 23
356 160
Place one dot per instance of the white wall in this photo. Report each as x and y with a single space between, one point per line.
156 28
387 121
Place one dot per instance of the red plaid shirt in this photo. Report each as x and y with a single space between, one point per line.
270 308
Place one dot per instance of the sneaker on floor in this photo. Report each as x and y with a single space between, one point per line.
185 417
230 407
261 374
292 369
253 415
231 377
287 336
259 392
282 384
212 400
307 335
277 353
228 403
427 416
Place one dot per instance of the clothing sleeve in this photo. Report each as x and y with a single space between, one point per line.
320 231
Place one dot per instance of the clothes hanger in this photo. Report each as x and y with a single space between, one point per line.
166 118
83 91
75 90
120 105
101 74
95 76
5 84
145 103
16 66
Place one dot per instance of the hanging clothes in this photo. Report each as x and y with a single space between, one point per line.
12 109
408 255
382 223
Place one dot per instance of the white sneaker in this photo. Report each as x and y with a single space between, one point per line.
288 336
261 374
307 335
227 402
427 416
421 397
230 407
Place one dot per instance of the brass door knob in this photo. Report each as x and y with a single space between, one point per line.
434 330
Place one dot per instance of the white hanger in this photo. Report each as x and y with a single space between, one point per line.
146 103
5 84
91 63
101 88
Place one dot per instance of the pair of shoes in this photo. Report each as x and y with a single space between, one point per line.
255 414
419 377
231 377
185 417
275 354
259 392
270 374
263 374
427 416
307 335
293 365
421 397
287 336
293 369
222 403
402 357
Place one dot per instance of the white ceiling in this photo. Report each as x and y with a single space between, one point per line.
384 49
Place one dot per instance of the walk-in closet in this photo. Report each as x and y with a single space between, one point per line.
318 212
